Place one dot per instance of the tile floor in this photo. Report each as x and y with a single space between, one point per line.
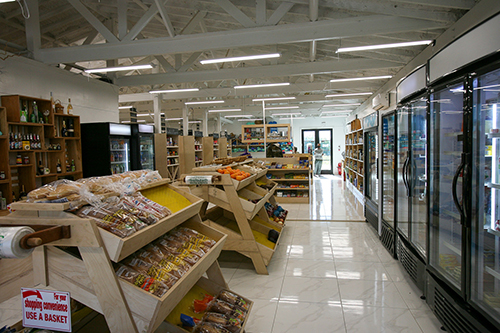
332 275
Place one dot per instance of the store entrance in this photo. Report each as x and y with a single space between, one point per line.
310 138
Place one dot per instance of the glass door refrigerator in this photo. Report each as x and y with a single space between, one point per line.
485 201
143 151
388 231
371 176
106 148
411 161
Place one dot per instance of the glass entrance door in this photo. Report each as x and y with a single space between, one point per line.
310 139
485 256
446 181
389 155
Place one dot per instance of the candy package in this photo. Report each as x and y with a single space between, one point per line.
141 280
231 324
234 299
229 310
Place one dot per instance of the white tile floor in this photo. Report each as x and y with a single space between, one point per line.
332 275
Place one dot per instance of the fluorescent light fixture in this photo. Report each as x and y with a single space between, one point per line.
340 105
488 87
117 69
205 102
173 91
248 119
242 58
172 119
238 116
120 107
2 1
337 111
124 121
362 78
262 85
293 118
272 99
383 46
286 114
224 110
119 129
282 107
353 94
335 116
194 122
141 121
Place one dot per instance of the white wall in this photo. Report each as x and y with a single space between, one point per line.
92 100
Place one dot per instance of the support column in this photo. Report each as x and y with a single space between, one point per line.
219 124
157 112
185 121
264 124
205 123
33 35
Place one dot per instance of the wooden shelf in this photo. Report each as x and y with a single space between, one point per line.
20 165
292 189
25 124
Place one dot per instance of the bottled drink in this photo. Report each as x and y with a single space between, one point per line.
70 107
23 195
24 113
39 141
64 131
71 128
12 141
73 166
68 167
40 168
58 166
34 113
52 105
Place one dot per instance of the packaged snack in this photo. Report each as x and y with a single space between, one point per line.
200 305
162 210
105 221
193 248
234 299
141 280
143 215
209 328
231 324
229 310
151 270
55 190
124 215
173 242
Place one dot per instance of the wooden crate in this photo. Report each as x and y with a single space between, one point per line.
213 289
68 272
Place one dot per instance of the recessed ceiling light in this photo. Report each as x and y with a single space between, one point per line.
337 111
352 94
171 119
362 78
195 122
282 107
173 90
238 116
262 85
204 102
252 119
340 105
117 69
286 114
120 107
242 58
383 46
272 99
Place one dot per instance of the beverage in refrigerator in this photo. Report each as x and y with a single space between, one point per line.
143 151
371 176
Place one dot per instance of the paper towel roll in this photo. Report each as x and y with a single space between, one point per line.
198 180
10 238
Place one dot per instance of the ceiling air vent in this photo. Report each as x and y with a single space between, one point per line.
380 102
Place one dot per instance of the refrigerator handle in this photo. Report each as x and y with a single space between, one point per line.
405 176
465 157
454 189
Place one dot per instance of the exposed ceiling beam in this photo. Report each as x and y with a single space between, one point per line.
33 35
165 64
122 18
189 62
165 18
98 25
279 13
145 8
141 24
236 13
458 4
20 27
285 33
256 72
193 23
260 12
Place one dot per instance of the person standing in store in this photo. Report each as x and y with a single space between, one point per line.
318 160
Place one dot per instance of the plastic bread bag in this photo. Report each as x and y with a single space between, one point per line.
147 256
164 211
137 264
151 270
141 280
193 248
198 236
143 215
58 189
173 241
105 221
166 265
167 246
234 299
141 202
209 328
124 215
231 324
228 309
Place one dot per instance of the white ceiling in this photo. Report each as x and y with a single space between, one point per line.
175 35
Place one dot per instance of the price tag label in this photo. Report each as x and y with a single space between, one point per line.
46 309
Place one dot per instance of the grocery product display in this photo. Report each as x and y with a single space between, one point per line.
273 133
167 156
354 159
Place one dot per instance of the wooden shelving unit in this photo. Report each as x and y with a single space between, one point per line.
167 154
198 149
245 222
89 276
223 148
353 165
49 132
294 184
209 150
255 133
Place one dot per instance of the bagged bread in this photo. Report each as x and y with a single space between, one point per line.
106 221
141 280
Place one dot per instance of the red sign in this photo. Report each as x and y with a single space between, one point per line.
46 309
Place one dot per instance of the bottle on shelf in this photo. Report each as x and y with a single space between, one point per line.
71 128
34 113
3 202
58 166
52 104
23 195
19 159
40 169
64 131
68 167
24 113
73 166
70 107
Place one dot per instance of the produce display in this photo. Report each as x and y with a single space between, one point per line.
159 265
234 173
276 212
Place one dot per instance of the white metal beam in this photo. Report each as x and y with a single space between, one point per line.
164 63
193 23
189 62
122 18
236 13
284 33
279 13
165 18
33 35
142 23
98 25
257 72
260 12
458 4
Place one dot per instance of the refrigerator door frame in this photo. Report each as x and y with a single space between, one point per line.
399 107
371 206
465 271
152 136
475 74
